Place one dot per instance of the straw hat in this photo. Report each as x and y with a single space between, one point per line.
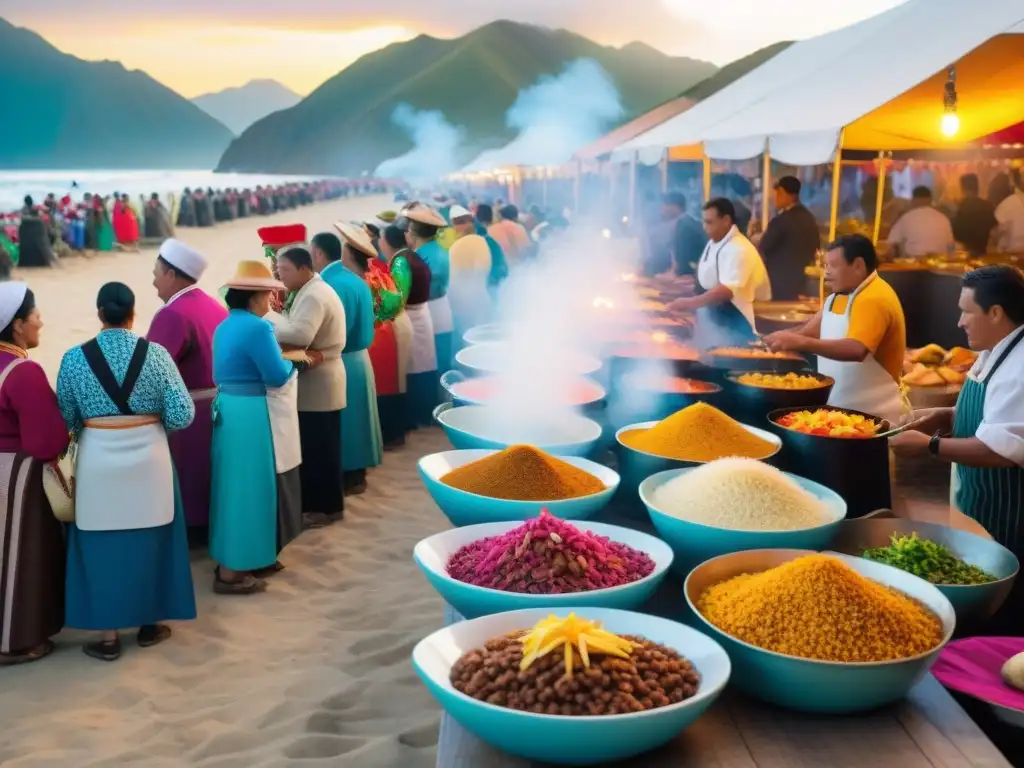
254 276
424 214
355 237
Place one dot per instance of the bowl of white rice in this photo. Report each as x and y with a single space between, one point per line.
733 505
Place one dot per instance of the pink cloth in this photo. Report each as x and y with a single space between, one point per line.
973 665
185 328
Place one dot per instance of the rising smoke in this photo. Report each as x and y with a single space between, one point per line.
435 146
556 116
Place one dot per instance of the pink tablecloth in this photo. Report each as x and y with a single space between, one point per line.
972 666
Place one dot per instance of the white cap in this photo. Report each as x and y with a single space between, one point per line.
183 258
457 212
12 294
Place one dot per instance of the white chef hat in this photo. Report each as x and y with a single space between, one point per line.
457 212
12 295
183 258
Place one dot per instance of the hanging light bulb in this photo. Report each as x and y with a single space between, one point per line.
950 124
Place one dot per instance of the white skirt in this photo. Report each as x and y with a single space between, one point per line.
424 354
124 478
441 314
403 339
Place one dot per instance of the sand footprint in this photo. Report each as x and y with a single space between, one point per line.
422 736
312 747
375 642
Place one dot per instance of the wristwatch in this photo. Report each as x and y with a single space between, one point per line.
933 444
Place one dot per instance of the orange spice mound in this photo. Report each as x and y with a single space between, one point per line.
818 607
699 432
523 473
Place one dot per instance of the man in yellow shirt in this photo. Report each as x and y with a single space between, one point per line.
859 336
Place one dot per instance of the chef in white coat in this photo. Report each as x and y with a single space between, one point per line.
730 277
859 336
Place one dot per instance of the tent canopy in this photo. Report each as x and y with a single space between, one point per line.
881 80
633 128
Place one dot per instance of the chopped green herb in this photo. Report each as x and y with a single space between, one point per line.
928 560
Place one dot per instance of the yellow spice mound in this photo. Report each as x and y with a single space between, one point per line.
523 473
817 607
699 432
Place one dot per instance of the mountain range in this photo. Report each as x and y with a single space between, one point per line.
67 113
345 126
240 107
63 112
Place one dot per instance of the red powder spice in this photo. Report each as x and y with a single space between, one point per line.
548 556
659 351
488 388
675 385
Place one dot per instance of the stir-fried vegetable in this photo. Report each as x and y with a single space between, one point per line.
928 560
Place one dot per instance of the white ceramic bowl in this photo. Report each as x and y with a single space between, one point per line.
481 426
499 357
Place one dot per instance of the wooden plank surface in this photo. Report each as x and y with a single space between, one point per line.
928 730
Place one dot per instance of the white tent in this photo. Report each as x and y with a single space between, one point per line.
876 84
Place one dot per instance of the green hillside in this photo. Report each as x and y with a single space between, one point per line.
344 127
63 112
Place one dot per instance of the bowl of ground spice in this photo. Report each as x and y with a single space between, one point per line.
695 435
579 687
732 505
820 632
487 486
479 426
542 563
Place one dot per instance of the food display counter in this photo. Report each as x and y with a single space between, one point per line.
927 729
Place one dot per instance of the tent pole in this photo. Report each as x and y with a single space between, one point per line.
837 178
766 180
663 167
632 187
706 163
883 168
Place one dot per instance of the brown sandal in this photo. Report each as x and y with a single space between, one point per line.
247 585
35 653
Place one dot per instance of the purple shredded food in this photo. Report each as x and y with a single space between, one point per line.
548 556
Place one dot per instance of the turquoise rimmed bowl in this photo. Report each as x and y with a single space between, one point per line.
463 508
433 553
636 466
693 543
472 427
570 740
807 684
484 334
973 603
500 357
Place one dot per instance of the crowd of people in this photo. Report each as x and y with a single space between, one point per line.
916 227
41 233
249 418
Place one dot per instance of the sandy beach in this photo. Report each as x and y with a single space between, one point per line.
315 672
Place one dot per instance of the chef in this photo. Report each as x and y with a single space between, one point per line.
730 278
983 434
859 336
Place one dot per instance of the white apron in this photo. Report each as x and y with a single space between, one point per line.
283 408
441 314
124 478
865 386
424 355
404 341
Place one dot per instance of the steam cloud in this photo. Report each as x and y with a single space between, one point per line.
557 116
435 146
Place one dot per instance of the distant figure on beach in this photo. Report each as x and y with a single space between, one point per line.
187 211
34 246
32 433
126 225
128 562
184 326
157 220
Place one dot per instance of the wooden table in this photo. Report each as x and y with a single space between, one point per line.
928 730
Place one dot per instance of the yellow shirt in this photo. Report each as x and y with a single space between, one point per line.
877 322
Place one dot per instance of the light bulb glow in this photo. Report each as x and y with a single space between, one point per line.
950 124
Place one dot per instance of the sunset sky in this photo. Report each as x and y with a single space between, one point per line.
197 46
